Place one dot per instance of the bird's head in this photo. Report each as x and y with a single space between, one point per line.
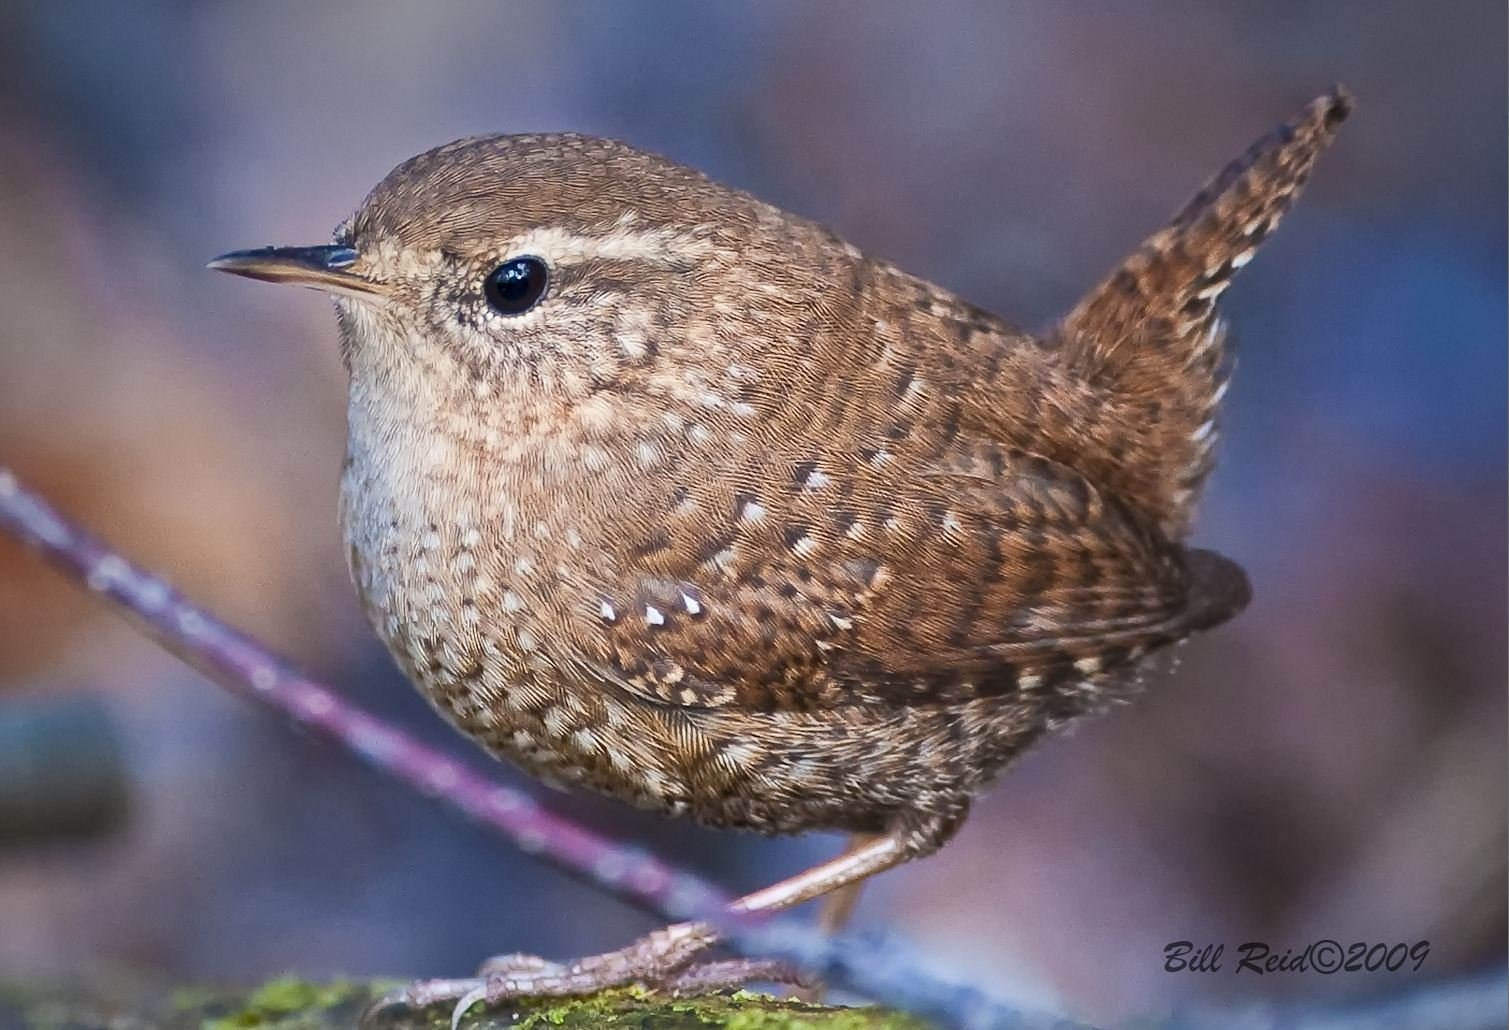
561 266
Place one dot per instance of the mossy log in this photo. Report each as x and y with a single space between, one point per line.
294 1004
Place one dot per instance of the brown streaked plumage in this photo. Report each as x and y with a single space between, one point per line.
738 524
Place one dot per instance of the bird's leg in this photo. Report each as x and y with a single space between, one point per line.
837 908
839 904
662 958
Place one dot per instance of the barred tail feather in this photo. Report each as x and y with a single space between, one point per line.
1149 337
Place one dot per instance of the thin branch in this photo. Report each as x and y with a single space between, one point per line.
876 968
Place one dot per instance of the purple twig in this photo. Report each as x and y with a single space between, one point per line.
875 968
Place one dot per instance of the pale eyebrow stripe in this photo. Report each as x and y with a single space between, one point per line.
620 243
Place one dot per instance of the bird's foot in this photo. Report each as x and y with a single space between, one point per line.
662 960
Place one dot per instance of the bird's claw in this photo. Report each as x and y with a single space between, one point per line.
718 975
467 1000
511 977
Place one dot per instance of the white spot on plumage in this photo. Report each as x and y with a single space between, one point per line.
512 602
595 458
606 611
1089 666
816 480
739 753
632 344
654 782
1206 428
753 511
526 640
1212 334
654 616
1242 258
801 770
555 721
691 604
804 546
584 739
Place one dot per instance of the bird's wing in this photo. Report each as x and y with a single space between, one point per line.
984 573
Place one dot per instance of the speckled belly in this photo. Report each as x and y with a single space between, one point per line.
849 769
468 636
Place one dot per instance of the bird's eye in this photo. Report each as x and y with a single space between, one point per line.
516 285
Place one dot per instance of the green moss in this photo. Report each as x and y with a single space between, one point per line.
290 1003
192 998
637 1010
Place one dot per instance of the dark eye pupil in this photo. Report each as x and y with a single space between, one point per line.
515 286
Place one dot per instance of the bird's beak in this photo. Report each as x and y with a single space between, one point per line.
325 268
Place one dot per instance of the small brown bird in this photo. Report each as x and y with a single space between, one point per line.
658 490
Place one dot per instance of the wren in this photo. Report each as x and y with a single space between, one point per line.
660 491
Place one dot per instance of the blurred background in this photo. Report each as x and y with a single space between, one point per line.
1332 764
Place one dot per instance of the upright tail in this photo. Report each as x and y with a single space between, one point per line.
1148 340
